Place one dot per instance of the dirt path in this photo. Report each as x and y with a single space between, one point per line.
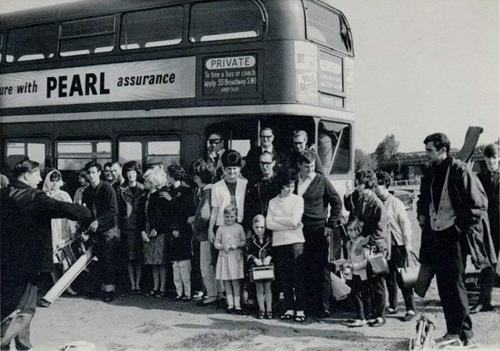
148 323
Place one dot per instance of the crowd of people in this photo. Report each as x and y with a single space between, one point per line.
215 229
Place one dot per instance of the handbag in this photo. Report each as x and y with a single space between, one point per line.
425 275
340 290
262 273
378 264
408 273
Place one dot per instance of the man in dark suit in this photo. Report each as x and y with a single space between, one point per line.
451 208
252 169
26 223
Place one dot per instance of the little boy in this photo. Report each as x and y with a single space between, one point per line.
180 250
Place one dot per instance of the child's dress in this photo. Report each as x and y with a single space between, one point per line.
230 263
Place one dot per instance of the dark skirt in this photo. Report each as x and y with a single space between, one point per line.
155 252
132 245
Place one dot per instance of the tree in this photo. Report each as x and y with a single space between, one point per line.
364 161
387 148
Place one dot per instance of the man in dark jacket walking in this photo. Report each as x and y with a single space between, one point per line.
26 215
450 209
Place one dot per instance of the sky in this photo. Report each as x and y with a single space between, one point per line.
421 66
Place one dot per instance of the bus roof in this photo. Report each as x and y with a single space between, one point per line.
88 8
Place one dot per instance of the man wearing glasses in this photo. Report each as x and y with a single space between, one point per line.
252 168
298 147
215 149
260 190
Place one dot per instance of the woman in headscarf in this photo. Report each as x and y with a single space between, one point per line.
63 229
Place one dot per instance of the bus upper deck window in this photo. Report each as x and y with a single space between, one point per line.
32 43
326 27
152 28
89 36
225 20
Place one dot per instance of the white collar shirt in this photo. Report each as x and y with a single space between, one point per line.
304 183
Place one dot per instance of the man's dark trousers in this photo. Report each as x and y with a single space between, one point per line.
449 267
318 286
22 296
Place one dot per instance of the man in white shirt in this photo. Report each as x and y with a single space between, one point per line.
401 233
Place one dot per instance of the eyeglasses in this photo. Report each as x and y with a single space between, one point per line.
214 141
266 163
266 136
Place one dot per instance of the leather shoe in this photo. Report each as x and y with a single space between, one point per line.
481 308
408 316
108 296
323 314
469 344
378 322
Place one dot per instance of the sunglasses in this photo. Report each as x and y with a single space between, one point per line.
266 163
215 141
266 136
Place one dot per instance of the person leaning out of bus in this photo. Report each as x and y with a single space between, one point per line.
299 145
215 150
130 198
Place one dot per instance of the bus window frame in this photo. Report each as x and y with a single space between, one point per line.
60 39
243 40
342 19
92 154
30 140
337 147
121 15
145 139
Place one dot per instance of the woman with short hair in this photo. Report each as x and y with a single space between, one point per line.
129 199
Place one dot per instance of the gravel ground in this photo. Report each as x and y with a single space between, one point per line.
149 323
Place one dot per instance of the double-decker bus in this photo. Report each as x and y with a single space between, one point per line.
135 80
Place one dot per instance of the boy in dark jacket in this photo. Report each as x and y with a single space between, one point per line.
181 252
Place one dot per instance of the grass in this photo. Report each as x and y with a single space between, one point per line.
152 327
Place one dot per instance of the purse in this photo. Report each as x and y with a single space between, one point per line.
408 273
378 264
262 273
424 278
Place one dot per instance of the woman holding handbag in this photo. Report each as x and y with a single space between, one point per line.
371 211
400 233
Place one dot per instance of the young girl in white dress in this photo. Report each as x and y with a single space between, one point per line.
229 240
